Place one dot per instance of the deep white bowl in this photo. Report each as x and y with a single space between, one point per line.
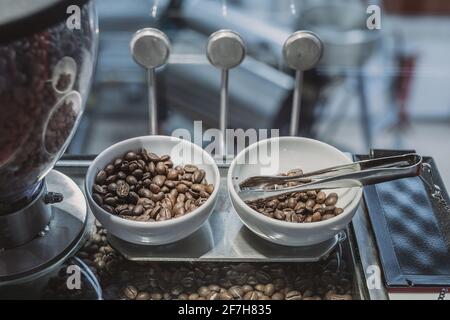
161 232
291 152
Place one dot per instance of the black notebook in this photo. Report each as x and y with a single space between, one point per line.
411 230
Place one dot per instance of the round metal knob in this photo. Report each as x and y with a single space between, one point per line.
302 50
225 49
150 48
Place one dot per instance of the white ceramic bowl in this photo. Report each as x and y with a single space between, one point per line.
292 152
161 232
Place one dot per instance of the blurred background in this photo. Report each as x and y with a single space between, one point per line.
387 88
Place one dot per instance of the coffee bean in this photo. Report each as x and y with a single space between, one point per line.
182 188
203 291
269 289
110 169
143 296
209 188
190 168
159 180
131 180
316 217
122 189
98 199
338 211
130 156
110 201
99 189
161 168
251 295
321 197
154 188
145 193
198 176
172 174
101 177
130 292
293 295
331 200
138 210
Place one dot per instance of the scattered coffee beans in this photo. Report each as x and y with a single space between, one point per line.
143 186
328 279
299 207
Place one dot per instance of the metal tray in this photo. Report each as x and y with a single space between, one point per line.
222 238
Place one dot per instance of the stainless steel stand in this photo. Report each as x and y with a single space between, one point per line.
62 237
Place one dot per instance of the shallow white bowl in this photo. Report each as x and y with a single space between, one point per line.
161 232
282 154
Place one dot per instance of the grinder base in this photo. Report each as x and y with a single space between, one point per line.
59 240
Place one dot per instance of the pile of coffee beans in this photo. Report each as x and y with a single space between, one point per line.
328 279
143 186
32 131
299 207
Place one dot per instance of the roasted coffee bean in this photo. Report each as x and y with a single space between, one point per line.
293 295
316 217
151 168
110 169
143 296
98 199
157 197
331 200
159 180
182 188
169 184
145 193
130 156
154 188
138 174
133 197
298 207
189 168
161 168
145 187
122 189
99 189
172 174
131 180
130 292
251 295
121 175
209 188
269 289
198 176
111 179
321 197
138 210
110 201
101 177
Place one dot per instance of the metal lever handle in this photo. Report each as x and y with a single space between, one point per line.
150 49
302 51
225 50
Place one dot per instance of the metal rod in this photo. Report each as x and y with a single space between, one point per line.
152 104
223 112
297 103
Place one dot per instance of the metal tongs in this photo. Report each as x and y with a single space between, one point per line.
357 174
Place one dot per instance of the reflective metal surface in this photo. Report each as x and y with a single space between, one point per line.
302 50
60 240
150 48
24 225
224 238
357 174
